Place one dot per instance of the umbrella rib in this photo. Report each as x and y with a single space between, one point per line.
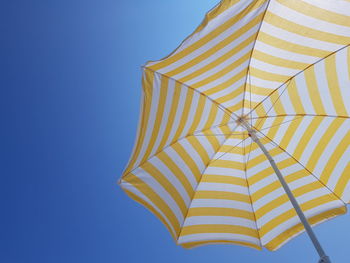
248 187
229 150
225 110
199 181
301 71
279 96
223 134
297 117
251 54
271 141
302 115
171 144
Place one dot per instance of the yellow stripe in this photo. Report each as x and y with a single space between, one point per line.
199 229
219 211
317 12
223 179
198 114
314 93
147 84
214 141
266 75
152 209
227 164
323 142
333 86
276 184
262 158
280 219
164 182
335 157
277 61
159 116
223 27
218 10
287 138
290 233
305 138
185 113
268 171
192 165
201 243
171 117
284 198
222 59
198 147
343 181
154 198
223 72
304 30
294 97
212 116
174 168
222 195
291 47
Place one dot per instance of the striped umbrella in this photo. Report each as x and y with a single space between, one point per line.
244 131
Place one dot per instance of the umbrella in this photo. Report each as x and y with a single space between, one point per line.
244 129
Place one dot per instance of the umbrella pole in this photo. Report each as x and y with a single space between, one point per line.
323 257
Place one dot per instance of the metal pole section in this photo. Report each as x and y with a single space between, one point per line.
323 257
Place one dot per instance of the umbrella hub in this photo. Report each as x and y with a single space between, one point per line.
242 120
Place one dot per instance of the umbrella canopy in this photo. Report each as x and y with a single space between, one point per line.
279 68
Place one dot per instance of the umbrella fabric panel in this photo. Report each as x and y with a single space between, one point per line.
320 144
322 89
168 180
294 35
221 209
285 66
215 59
275 216
171 111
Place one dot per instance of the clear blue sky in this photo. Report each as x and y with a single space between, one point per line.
70 92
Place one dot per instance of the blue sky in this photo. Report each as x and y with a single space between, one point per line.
71 87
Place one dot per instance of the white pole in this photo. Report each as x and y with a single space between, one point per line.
323 257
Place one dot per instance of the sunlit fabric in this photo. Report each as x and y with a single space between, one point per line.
284 67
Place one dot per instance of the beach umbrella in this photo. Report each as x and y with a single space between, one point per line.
244 129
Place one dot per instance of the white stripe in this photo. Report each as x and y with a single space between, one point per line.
219 220
298 133
221 53
166 112
179 111
245 20
183 166
338 6
312 143
331 146
284 54
295 220
231 188
304 94
160 191
217 236
309 21
339 169
324 89
172 178
151 120
221 203
127 186
192 114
